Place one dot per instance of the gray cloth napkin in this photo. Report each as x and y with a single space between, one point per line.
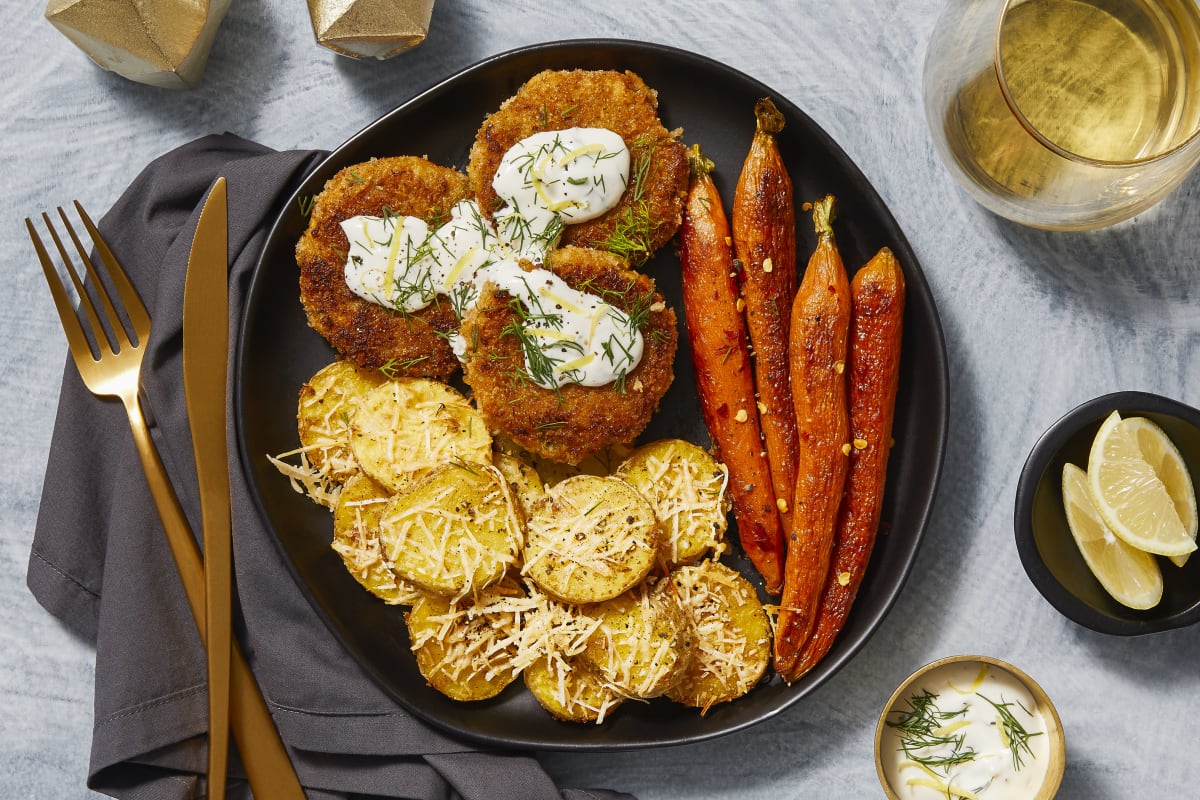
100 563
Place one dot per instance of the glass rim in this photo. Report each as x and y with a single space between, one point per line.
1049 144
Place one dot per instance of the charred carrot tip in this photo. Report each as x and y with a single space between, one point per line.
767 117
823 214
698 164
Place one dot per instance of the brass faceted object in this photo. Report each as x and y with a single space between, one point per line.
370 28
158 42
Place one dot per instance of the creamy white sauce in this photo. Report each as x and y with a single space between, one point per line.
547 180
975 732
568 336
556 178
387 261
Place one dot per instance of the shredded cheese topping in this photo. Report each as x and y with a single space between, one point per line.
689 502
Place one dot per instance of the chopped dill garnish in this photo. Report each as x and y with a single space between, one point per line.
305 202
634 229
1013 732
919 728
395 366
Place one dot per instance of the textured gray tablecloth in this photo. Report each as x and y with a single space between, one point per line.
1035 323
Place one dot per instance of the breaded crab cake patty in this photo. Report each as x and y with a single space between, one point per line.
571 422
365 333
650 211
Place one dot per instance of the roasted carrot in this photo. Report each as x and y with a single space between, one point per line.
764 241
876 322
724 379
820 329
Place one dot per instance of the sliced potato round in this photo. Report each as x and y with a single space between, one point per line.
590 539
600 463
733 635
523 480
356 540
644 642
686 488
453 533
327 402
405 428
465 649
569 690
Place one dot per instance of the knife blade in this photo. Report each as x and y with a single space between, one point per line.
205 367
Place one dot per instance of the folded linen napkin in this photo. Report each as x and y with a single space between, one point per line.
100 563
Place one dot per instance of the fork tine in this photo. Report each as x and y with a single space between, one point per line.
62 301
85 301
116 326
134 306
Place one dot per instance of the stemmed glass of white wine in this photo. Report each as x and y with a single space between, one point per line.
1066 114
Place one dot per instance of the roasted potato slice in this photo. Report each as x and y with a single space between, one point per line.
733 635
326 404
600 463
405 428
686 488
569 690
356 540
644 642
590 539
523 481
465 648
455 532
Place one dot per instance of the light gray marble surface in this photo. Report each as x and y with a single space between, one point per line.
1035 323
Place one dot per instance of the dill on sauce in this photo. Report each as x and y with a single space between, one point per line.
1012 732
920 728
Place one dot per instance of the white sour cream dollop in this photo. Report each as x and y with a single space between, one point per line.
556 178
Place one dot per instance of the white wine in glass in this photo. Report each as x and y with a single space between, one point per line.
1066 114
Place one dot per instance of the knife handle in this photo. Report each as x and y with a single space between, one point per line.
264 757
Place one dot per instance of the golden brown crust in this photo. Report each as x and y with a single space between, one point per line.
569 424
362 332
618 101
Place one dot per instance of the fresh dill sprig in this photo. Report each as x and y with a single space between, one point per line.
919 728
305 202
395 366
633 231
1013 732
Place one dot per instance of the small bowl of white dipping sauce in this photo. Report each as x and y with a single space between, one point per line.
969 727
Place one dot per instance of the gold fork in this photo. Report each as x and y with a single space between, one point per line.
112 370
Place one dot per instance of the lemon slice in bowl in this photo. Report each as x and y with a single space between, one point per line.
1130 575
1126 468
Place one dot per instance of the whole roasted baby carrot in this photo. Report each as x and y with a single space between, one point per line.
820 328
764 241
876 323
724 379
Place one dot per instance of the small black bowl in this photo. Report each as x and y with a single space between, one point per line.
1047 549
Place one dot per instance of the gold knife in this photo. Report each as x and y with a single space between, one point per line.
205 365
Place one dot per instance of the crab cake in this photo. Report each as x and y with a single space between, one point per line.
571 422
370 335
651 208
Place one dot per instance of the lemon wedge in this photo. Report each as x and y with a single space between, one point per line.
1140 486
1130 575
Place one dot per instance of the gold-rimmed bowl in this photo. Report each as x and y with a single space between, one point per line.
1055 752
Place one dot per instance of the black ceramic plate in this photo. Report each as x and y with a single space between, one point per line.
714 106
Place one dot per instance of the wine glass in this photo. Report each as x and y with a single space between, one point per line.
1066 114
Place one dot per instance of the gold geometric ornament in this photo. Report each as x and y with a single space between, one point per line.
370 28
159 42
